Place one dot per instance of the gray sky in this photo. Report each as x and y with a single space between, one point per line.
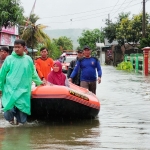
64 14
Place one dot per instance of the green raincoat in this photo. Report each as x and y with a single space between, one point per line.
16 76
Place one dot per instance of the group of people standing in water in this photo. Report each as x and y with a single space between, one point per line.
18 71
81 71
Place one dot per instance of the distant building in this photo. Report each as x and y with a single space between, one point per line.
8 36
102 52
119 51
110 44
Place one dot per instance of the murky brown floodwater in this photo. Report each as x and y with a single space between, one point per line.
123 122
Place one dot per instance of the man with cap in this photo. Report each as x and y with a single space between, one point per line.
76 79
88 66
4 52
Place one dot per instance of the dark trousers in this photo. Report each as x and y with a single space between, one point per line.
15 112
91 86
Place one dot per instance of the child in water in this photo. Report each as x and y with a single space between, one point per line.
56 76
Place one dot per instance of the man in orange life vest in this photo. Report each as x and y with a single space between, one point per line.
44 64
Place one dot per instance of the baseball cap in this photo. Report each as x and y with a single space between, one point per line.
79 51
86 47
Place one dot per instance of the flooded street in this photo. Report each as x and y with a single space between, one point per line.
123 122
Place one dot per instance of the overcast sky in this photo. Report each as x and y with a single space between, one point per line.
64 14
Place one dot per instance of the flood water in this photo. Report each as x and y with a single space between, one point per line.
122 124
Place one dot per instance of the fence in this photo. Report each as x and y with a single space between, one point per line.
140 62
137 61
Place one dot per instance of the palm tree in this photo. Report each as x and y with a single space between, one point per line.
33 34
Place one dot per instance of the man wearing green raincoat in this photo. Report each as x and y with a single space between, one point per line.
16 76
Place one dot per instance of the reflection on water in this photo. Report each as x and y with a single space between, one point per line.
53 135
14 139
123 122
65 135
125 105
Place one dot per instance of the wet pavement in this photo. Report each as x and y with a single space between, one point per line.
123 122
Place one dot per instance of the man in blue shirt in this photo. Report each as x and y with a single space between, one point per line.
88 66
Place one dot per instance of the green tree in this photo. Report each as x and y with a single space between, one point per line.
129 30
90 38
123 31
110 31
33 34
55 50
11 13
65 43
145 42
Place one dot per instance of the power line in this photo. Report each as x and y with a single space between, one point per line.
129 4
93 14
105 11
119 7
82 12
114 6
92 17
107 14
140 8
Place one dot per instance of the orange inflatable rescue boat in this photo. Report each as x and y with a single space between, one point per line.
53 101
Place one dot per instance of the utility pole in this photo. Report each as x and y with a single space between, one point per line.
108 19
143 20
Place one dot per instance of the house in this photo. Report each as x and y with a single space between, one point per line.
119 51
8 36
103 53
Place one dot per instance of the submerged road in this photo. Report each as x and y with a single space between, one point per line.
122 124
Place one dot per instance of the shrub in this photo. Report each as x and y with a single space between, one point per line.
125 66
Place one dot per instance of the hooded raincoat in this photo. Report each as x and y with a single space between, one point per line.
16 76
